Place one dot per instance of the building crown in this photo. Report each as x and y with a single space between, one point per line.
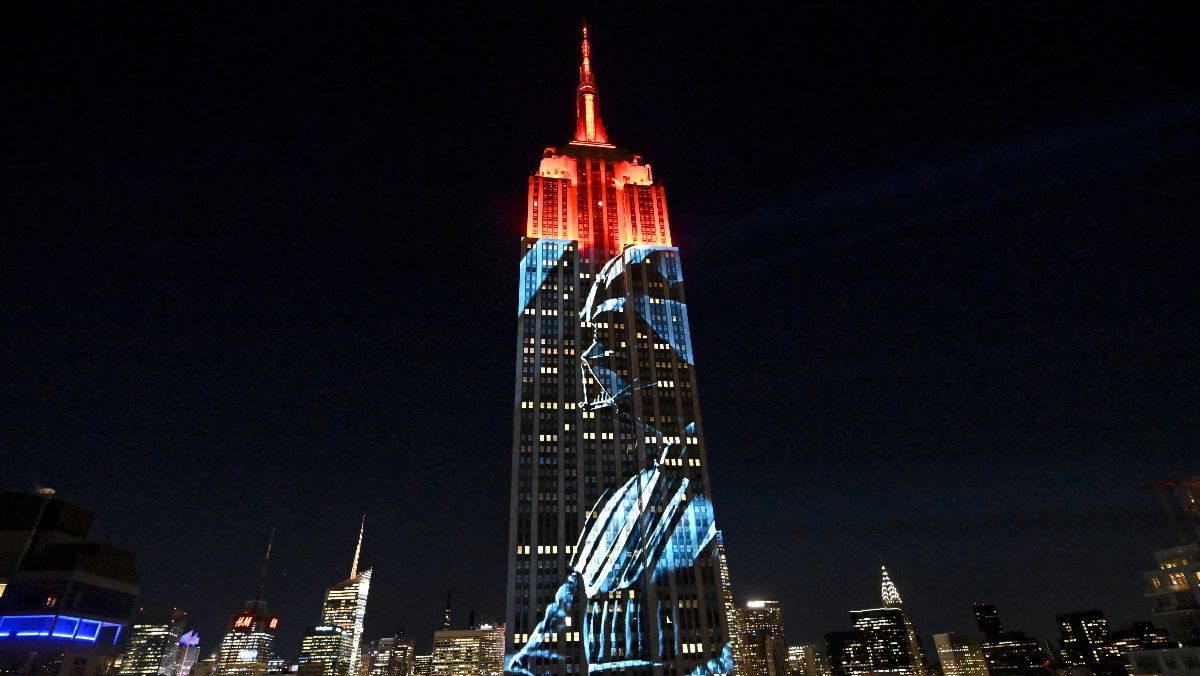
588 126
891 597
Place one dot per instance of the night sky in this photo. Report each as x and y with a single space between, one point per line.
259 269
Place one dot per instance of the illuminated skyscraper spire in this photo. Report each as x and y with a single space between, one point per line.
891 597
588 127
358 549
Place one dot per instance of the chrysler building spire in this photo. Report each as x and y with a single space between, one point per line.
588 127
891 597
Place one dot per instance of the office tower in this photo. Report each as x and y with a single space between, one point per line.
345 607
246 647
325 644
733 616
391 656
1174 592
808 660
1085 639
763 645
848 653
612 560
891 599
153 648
1140 636
189 652
987 618
48 625
886 634
1003 653
469 652
961 654
423 665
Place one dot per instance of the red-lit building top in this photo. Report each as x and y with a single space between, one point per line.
592 192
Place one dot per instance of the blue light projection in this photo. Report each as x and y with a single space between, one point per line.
537 264
659 522
55 627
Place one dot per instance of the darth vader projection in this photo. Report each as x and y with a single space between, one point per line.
648 548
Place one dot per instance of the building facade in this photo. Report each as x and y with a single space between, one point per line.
326 645
808 660
612 559
391 656
247 646
1174 592
763 646
154 644
345 607
1085 641
469 652
961 654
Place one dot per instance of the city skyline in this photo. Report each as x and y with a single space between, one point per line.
964 275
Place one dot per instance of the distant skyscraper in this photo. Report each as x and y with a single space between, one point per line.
886 634
848 653
1174 592
346 607
1085 639
189 652
987 618
961 654
763 645
1141 636
423 665
327 645
154 648
469 652
882 641
891 599
392 656
612 556
732 613
808 660
1003 653
247 645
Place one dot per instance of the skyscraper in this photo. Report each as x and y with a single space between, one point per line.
882 641
345 607
392 656
154 648
1085 639
764 649
478 651
326 645
961 654
247 645
987 618
612 559
189 652
808 660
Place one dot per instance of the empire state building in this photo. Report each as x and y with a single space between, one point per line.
614 560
